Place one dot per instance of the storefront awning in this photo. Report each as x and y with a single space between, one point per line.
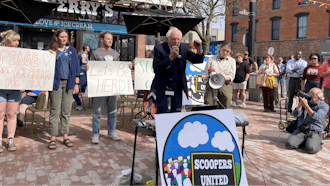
72 25
324 49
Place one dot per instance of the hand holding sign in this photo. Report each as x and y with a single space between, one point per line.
26 69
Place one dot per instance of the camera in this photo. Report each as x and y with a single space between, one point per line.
305 128
307 96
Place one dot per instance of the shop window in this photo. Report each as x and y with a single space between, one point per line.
92 40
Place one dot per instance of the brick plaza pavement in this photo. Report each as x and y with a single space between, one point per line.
89 164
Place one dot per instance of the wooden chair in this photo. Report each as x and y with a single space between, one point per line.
33 110
135 105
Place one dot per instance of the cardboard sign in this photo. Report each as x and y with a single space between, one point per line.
26 69
195 85
109 78
144 73
199 148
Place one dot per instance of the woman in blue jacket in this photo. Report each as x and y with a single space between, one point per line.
66 83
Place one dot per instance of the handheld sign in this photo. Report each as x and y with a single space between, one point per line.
199 148
109 78
144 73
195 85
26 69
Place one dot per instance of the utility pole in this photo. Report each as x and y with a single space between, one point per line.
252 27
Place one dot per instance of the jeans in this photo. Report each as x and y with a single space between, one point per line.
76 97
281 83
311 84
98 104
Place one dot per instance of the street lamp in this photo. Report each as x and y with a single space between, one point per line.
252 26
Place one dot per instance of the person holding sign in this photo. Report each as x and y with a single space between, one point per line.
169 66
105 53
66 83
9 99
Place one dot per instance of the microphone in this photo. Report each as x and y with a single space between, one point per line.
215 99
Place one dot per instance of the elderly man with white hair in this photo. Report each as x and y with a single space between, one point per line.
169 65
311 117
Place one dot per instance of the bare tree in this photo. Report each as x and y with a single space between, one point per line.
212 10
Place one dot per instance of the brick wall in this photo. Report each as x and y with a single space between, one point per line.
288 43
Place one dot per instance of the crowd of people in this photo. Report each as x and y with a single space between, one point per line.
169 63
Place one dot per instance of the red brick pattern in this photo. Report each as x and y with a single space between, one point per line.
90 164
317 28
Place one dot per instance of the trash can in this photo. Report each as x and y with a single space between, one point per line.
255 93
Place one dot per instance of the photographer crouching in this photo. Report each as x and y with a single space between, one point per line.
311 113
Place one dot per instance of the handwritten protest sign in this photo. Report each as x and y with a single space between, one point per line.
26 69
109 78
144 73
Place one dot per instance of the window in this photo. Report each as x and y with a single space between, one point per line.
302 2
275 27
235 9
276 4
213 38
234 32
301 24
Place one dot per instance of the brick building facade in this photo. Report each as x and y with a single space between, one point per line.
284 25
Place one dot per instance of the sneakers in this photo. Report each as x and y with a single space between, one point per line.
79 107
114 137
11 145
242 105
234 104
95 140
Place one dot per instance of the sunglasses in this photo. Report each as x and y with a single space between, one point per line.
313 58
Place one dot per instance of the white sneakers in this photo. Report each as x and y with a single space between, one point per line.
79 107
95 140
114 137
11 145
234 104
242 105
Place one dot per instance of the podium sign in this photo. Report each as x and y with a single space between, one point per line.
199 148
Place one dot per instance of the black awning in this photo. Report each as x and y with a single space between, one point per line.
324 49
153 21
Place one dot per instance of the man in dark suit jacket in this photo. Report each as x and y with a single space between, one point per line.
170 69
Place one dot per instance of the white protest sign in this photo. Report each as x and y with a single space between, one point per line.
199 148
144 73
26 69
109 78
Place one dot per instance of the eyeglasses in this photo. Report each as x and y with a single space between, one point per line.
313 58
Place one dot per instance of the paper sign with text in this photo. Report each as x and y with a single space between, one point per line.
26 69
144 73
199 148
109 78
